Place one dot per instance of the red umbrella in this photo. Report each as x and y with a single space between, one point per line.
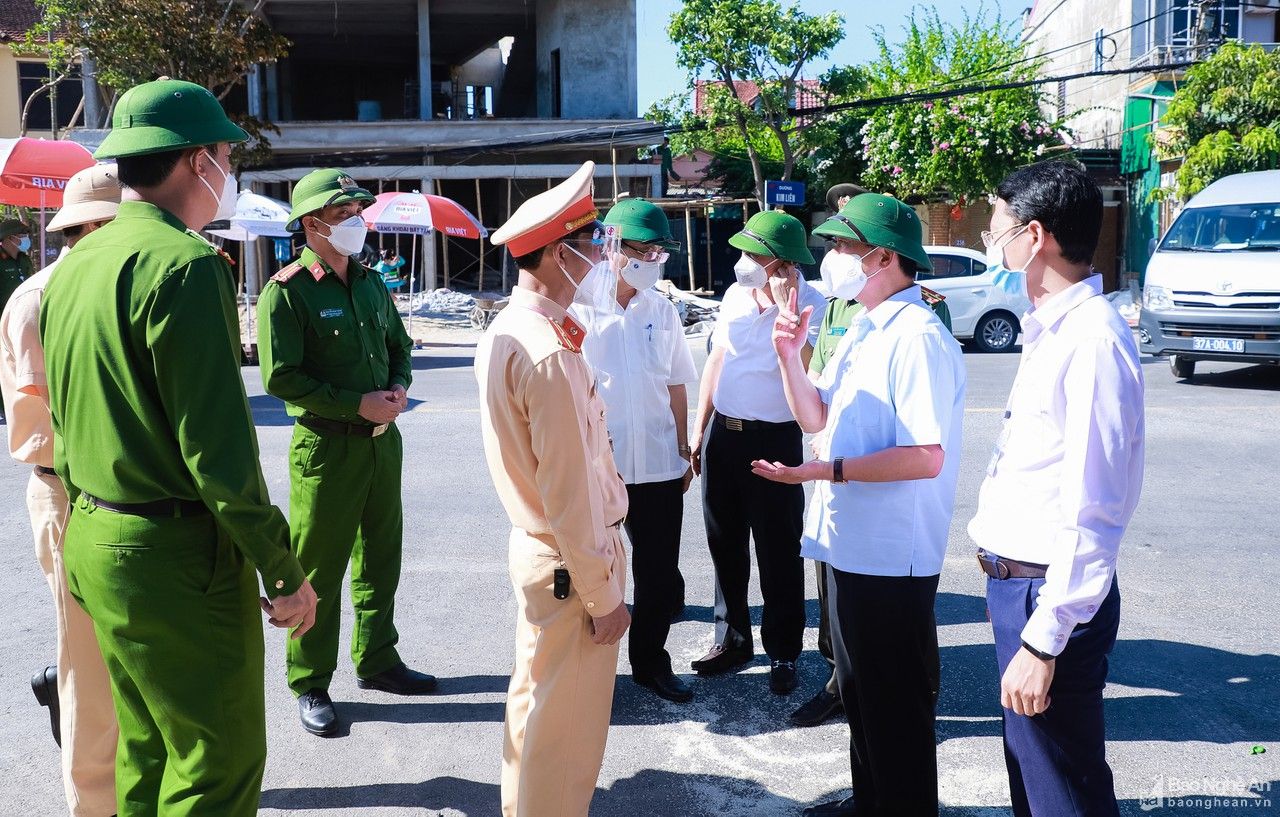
420 213
33 173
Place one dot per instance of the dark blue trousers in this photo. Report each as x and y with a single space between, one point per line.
1057 760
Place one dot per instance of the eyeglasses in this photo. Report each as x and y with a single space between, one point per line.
651 253
837 243
989 238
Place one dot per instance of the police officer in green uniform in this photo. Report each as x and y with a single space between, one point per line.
154 440
333 347
15 263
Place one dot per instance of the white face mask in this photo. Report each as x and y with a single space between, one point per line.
750 273
844 274
347 236
641 274
598 288
230 192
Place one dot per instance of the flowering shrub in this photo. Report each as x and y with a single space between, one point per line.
957 148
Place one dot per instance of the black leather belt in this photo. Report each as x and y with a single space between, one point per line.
161 507
46 471
998 567
320 424
734 424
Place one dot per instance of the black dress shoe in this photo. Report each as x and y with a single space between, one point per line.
722 659
836 808
400 680
782 677
665 684
821 708
315 708
45 685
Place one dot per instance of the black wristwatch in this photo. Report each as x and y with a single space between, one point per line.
837 470
1043 656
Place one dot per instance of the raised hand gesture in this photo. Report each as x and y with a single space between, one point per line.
791 330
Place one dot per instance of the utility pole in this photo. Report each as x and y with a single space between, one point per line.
1206 30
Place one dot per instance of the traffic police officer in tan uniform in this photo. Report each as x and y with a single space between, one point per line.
547 446
333 347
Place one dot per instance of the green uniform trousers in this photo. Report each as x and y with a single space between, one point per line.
175 611
344 506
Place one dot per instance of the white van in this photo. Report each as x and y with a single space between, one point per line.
1212 289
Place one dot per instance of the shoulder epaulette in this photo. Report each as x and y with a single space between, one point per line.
283 276
930 297
569 333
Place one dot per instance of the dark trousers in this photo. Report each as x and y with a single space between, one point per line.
886 648
1057 760
739 506
822 572
654 517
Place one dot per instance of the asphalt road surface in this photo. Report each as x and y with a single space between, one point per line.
1195 679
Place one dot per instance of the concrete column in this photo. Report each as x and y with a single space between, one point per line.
424 59
93 111
273 92
254 91
428 264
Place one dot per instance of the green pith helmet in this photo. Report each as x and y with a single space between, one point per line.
319 189
774 234
167 114
12 226
880 221
642 221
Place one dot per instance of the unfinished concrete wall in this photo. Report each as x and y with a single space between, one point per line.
596 41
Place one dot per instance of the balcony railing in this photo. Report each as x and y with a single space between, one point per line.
1175 54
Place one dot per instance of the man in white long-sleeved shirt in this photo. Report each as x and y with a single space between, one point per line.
1061 486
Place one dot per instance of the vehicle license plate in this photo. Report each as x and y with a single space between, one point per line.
1235 345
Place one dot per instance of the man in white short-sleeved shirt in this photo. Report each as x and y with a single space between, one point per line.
743 415
890 404
643 367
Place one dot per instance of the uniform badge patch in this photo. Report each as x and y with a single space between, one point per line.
331 313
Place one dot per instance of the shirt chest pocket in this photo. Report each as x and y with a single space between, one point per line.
335 337
657 352
597 428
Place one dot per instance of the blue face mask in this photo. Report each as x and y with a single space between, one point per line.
24 244
1009 281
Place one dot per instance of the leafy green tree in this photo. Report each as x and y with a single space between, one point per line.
961 147
833 145
211 42
762 41
1225 119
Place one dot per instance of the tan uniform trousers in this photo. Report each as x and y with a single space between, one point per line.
89 732
561 693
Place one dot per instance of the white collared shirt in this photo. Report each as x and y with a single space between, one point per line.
750 385
637 353
896 379
1067 469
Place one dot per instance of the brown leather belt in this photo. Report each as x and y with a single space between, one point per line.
320 424
161 507
46 471
998 567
